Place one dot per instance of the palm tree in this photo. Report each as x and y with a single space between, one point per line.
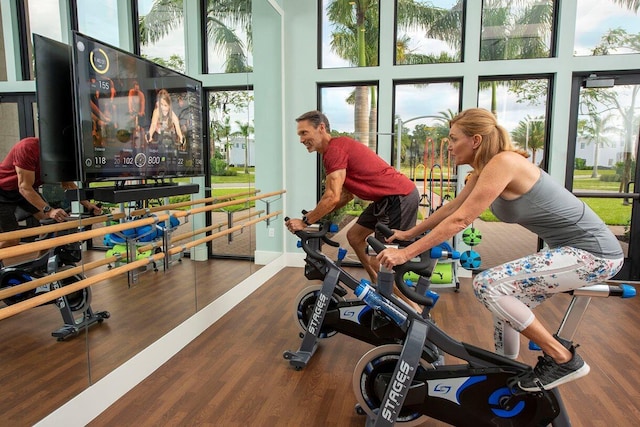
514 38
221 131
608 99
223 18
246 130
593 131
355 38
529 135
633 5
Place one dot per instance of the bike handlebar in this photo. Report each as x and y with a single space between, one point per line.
305 235
421 268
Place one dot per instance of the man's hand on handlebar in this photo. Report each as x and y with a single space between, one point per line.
59 215
295 224
94 209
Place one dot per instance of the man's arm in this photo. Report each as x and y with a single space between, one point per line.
26 179
334 197
95 210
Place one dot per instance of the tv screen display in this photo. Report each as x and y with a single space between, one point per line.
59 159
134 119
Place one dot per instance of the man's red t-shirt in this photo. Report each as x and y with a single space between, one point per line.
368 176
25 155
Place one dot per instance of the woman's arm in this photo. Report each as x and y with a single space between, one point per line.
438 216
490 183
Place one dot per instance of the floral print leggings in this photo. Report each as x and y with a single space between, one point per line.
511 290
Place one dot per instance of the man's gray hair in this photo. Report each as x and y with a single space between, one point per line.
315 117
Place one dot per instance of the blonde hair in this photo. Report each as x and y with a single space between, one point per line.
495 138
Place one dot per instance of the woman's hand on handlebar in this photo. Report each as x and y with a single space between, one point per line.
391 257
399 235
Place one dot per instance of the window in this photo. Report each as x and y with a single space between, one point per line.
99 20
229 37
520 106
428 32
43 17
162 33
516 30
422 128
352 111
350 32
602 26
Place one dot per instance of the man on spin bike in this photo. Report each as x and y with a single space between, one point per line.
19 181
352 169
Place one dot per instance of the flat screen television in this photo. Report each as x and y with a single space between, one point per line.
59 160
131 119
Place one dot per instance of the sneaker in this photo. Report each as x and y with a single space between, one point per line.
548 373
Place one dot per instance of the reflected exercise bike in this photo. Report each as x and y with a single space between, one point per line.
75 307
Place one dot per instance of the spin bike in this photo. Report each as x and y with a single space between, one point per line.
393 383
75 307
321 311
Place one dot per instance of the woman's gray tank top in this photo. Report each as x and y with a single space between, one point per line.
559 218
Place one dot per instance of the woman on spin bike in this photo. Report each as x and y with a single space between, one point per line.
582 250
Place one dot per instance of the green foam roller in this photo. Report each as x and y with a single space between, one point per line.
143 255
411 277
117 249
442 273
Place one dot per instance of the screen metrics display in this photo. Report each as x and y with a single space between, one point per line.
136 119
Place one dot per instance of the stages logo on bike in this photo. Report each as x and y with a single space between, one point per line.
399 385
317 313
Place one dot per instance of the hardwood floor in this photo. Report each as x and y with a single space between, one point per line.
234 373
38 374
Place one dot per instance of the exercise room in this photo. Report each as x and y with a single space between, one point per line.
319 212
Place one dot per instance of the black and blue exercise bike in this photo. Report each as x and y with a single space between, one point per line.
393 383
75 307
323 310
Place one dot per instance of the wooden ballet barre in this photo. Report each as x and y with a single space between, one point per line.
59 226
229 203
223 233
76 237
190 234
90 234
38 300
177 205
32 284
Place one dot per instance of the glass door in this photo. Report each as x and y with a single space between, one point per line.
603 173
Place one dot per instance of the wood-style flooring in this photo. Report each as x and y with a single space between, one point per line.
234 373
39 374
